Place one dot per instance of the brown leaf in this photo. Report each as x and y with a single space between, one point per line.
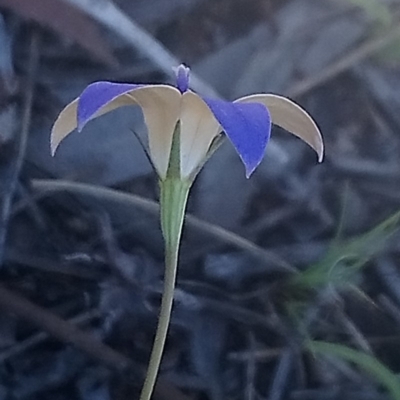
66 20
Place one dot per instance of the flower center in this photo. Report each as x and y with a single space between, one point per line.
182 78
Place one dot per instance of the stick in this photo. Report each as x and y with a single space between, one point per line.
85 341
274 262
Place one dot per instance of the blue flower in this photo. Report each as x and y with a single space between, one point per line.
246 121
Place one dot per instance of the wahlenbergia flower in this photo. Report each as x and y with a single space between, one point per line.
181 128
246 121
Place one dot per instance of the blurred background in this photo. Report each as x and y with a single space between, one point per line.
289 283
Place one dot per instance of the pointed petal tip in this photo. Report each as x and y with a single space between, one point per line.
53 148
63 126
56 138
317 144
321 154
250 168
249 172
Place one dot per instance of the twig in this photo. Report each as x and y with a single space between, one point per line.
40 337
365 50
150 206
250 393
357 337
61 329
68 333
44 264
258 355
280 383
15 168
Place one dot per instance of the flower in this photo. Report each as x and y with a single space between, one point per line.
246 121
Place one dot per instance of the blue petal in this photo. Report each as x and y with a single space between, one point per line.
98 95
182 78
247 125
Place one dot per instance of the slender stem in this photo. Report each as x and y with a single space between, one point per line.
173 198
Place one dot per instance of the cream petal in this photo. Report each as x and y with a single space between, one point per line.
290 116
65 123
198 128
160 105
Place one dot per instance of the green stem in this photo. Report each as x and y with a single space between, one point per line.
173 198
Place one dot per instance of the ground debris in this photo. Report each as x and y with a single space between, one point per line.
300 252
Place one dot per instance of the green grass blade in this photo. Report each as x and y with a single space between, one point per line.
364 361
376 10
344 258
